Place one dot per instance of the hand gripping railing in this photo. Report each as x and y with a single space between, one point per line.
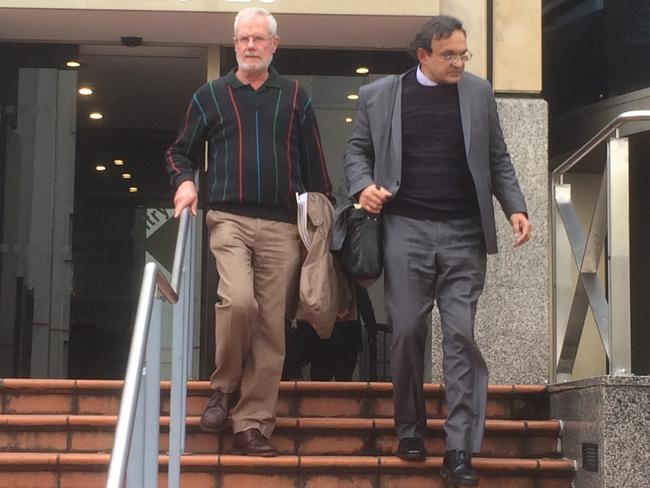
610 219
138 423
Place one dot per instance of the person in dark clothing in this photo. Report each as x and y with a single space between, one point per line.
334 358
428 152
263 147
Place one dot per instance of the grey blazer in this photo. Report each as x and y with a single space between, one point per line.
374 152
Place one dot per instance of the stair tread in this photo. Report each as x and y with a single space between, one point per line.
293 461
62 431
551 427
49 385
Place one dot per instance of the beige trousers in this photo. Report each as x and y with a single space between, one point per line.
258 262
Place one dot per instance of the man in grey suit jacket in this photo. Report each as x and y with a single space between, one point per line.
428 152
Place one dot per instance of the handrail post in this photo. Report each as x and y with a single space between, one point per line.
178 385
152 397
140 403
136 454
554 283
619 255
181 354
611 311
123 430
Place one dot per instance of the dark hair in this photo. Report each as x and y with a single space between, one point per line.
439 27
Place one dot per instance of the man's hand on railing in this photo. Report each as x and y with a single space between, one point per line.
185 196
520 228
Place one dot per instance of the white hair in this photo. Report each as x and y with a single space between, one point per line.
251 12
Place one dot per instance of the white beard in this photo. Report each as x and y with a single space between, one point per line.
254 67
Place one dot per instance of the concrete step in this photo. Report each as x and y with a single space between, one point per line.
21 470
297 399
292 436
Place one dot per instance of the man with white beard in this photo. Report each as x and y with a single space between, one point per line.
263 147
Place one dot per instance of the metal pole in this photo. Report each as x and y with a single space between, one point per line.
618 205
123 430
135 454
152 398
178 383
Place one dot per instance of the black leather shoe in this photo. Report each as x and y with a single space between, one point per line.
251 442
215 415
457 469
411 449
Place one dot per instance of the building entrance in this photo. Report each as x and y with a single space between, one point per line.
87 201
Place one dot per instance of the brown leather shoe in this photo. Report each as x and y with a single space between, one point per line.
215 416
251 442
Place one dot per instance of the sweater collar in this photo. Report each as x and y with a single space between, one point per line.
272 81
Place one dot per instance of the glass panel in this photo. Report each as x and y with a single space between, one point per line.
37 151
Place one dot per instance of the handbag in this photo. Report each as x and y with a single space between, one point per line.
361 254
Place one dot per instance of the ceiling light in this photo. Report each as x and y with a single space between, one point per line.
353 96
267 1
100 167
96 116
362 70
126 176
84 90
118 162
133 189
348 120
73 64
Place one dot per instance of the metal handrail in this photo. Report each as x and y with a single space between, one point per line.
601 135
610 218
153 278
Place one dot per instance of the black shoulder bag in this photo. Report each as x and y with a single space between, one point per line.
361 255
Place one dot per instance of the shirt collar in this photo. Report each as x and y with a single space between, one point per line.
272 81
422 79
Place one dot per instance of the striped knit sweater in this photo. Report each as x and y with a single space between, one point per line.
263 146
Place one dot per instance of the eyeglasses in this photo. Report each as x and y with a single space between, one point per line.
453 58
245 41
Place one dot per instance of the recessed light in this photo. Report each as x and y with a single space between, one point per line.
84 90
353 96
362 70
348 120
133 189
118 162
100 167
73 64
96 116
126 176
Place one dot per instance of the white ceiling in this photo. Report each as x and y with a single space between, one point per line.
202 28
149 86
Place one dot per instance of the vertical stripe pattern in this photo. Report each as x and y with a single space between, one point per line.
292 113
263 145
257 156
240 152
225 150
275 145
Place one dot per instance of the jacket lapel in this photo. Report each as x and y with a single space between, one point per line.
465 113
394 146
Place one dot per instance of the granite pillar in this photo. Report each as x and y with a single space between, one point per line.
606 429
